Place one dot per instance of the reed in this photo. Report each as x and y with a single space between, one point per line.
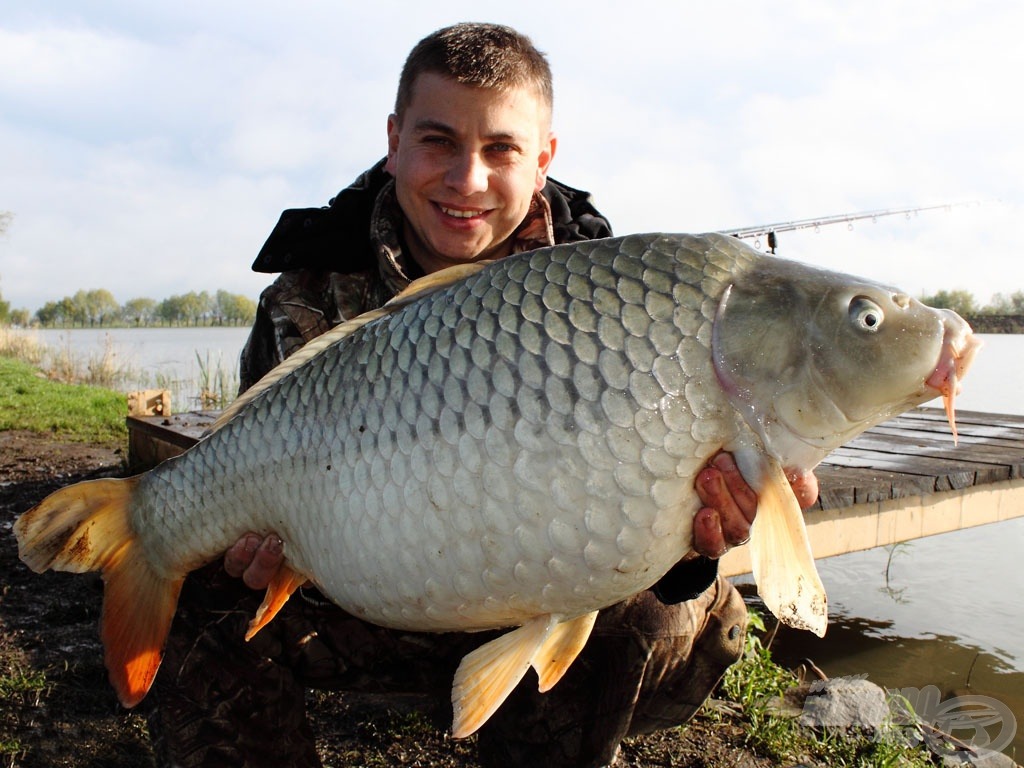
218 384
102 369
24 347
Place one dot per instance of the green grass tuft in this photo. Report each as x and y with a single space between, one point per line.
755 683
75 412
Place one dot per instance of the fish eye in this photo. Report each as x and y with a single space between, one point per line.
866 315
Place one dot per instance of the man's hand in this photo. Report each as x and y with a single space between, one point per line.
723 522
730 505
255 559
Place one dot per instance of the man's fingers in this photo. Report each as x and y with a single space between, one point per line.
805 487
239 557
265 563
707 534
739 493
729 508
255 559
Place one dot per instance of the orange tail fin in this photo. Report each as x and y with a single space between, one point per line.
86 527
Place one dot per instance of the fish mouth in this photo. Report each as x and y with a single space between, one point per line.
959 345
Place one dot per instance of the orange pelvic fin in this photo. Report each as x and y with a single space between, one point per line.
488 675
560 650
285 582
86 527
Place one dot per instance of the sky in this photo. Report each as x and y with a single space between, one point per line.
149 148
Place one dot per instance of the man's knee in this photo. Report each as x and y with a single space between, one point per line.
683 669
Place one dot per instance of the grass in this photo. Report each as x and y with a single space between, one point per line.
754 686
76 412
22 682
24 685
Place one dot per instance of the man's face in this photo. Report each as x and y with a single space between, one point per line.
466 163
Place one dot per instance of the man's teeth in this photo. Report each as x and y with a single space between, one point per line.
459 214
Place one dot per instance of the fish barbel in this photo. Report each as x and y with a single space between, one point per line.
515 444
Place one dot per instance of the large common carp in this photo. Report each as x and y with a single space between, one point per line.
515 445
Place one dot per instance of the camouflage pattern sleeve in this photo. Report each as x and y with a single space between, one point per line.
297 307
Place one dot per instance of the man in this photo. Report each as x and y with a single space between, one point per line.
465 178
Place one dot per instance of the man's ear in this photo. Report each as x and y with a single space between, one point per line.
393 131
547 154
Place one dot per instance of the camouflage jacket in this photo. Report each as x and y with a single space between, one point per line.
347 258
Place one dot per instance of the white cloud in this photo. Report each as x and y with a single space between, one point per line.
155 147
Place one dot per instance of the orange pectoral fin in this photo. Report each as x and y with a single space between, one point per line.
284 584
780 555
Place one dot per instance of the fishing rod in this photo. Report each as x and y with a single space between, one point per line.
772 230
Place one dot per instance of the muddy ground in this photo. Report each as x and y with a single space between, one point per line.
71 717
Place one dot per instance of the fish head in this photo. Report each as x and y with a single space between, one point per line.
811 358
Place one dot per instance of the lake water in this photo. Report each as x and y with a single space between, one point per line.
948 613
165 358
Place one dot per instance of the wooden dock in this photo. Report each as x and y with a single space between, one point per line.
901 480
905 479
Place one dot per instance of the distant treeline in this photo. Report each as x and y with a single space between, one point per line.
963 303
99 308
996 323
1003 314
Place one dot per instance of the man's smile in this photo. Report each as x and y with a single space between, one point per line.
460 213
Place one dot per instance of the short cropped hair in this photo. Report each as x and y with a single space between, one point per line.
479 55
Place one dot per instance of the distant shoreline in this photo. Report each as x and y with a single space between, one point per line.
979 323
996 323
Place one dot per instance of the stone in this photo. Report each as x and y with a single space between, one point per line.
846 703
984 759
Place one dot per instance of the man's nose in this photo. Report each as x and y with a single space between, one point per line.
467 174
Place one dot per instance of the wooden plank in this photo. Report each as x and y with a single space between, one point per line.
864 526
946 475
981 455
970 421
1004 441
149 402
845 486
970 434
152 439
181 429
